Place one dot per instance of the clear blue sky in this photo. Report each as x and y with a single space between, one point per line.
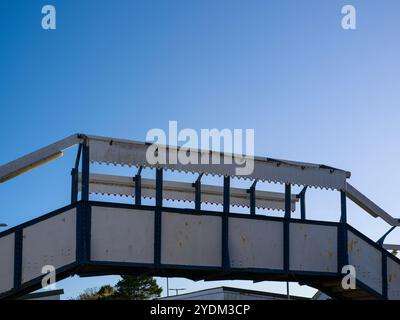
311 90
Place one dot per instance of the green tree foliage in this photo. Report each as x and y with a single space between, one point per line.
104 293
89 294
137 288
128 288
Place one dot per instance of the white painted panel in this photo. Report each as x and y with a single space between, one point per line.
188 239
393 276
122 235
49 242
255 243
367 260
313 247
7 263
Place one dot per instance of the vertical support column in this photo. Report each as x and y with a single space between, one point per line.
138 189
252 192
157 217
83 212
252 202
83 232
286 228
384 275
343 207
225 225
343 258
74 176
197 193
197 199
159 187
288 200
74 182
303 203
384 263
85 172
302 208
18 238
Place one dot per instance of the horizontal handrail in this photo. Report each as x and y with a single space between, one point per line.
369 206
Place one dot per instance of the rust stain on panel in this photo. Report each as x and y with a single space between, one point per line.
351 246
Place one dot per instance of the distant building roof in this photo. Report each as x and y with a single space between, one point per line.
230 293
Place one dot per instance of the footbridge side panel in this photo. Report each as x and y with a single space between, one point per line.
393 279
367 260
313 247
51 242
122 235
256 244
162 241
7 244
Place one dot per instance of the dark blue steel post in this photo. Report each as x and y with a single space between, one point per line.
286 228
83 232
83 212
74 176
252 192
157 217
225 225
159 187
74 184
138 189
343 258
343 207
382 239
197 204
197 193
303 203
85 172
384 276
138 186
302 208
384 264
288 200
18 239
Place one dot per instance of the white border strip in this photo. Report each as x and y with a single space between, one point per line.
132 153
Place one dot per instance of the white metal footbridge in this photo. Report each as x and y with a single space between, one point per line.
90 238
